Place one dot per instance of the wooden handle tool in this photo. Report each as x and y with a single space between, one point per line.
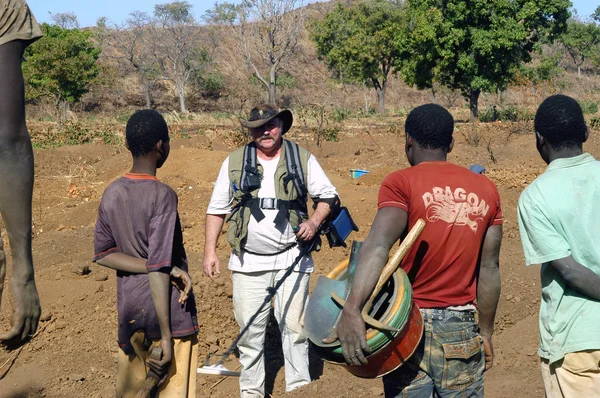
386 273
394 262
151 380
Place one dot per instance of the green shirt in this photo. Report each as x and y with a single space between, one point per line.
559 216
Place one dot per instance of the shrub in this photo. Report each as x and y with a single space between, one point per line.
488 115
330 134
511 113
339 114
588 107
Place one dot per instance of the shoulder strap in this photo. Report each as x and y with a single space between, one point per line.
294 168
249 179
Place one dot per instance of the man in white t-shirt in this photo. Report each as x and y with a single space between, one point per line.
264 186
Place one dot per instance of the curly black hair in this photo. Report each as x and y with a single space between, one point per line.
559 119
144 129
431 126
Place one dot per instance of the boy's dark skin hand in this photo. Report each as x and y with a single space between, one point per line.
161 368
159 285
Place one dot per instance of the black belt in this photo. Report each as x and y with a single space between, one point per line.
272 254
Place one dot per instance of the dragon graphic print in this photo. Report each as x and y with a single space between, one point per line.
456 207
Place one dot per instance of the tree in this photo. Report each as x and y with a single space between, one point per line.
361 43
177 46
132 43
267 34
62 65
475 45
65 20
581 41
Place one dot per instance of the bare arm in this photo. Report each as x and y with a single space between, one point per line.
308 228
488 289
488 286
578 276
321 212
214 225
135 265
388 226
160 288
123 262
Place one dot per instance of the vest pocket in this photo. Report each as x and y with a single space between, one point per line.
462 363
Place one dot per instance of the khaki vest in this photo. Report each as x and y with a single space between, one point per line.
240 216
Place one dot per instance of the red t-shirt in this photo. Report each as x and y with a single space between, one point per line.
458 206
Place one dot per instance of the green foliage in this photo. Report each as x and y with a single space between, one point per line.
510 113
548 69
596 14
62 64
213 82
285 80
360 43
340 114
595 123
475 46
209 84
581 40
330 133
588 107
222 14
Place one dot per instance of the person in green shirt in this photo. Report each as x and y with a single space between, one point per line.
559 222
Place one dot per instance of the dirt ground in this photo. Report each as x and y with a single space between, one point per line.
74 353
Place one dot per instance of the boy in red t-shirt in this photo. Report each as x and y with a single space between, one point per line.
453 266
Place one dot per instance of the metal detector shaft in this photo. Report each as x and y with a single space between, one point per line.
304 250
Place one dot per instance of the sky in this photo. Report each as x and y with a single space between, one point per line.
117 11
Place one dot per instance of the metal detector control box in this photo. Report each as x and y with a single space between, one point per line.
338 229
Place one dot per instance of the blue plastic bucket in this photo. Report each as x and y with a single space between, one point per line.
355 173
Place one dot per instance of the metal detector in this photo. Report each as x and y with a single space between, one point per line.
336 230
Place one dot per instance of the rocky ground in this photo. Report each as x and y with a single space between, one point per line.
74 353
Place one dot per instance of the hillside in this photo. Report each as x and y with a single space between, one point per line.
309 84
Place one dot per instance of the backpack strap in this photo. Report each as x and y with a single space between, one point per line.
294 169
250 181
250 177
296 175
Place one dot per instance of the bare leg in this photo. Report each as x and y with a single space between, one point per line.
16 187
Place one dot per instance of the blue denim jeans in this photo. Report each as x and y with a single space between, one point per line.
448 363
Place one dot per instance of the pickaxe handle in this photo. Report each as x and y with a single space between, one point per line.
394 262
386 273
151 379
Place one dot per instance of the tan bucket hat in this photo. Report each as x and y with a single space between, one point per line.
263 113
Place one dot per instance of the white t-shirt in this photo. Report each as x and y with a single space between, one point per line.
263 237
